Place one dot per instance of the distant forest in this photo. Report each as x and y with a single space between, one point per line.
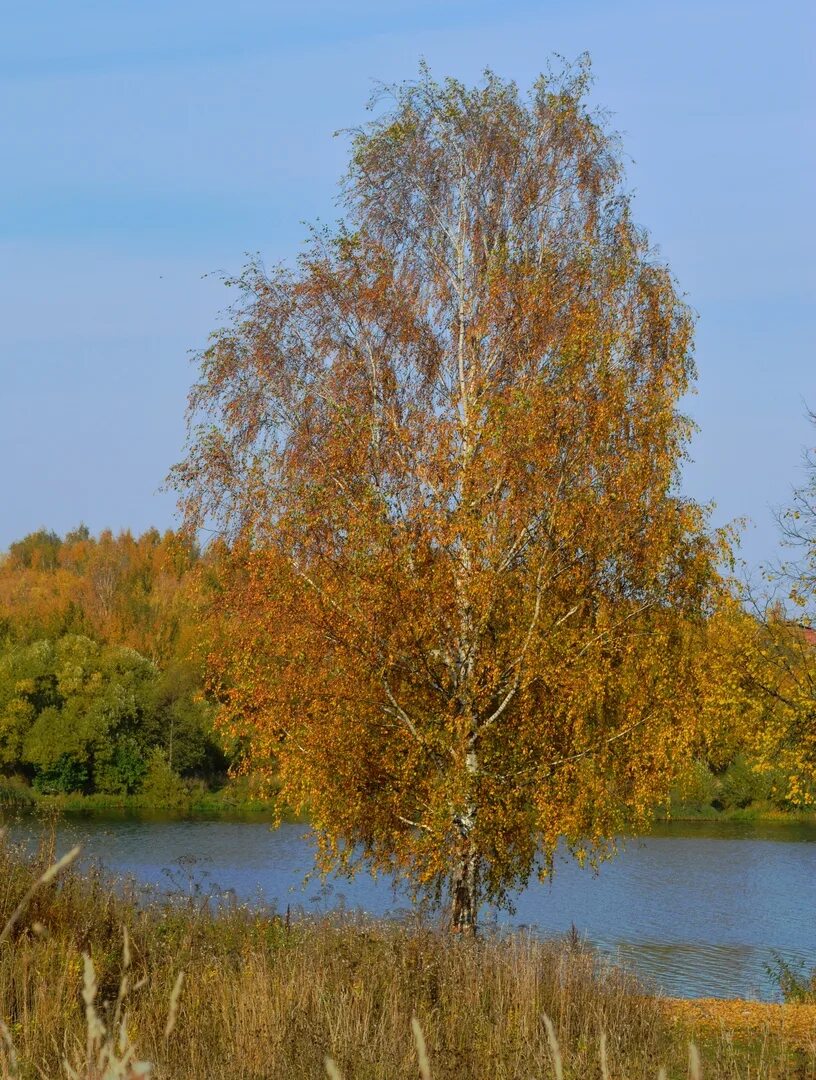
101 664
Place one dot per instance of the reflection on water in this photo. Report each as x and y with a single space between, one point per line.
694 970
698 909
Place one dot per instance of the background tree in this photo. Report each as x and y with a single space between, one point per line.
779 662
99 664
133 591
444 450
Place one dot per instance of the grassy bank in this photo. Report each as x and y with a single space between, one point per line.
266 996
759 813
233 799
238 799
207 803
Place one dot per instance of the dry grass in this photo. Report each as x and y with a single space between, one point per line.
795 1022
87 975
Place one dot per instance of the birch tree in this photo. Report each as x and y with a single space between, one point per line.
443 452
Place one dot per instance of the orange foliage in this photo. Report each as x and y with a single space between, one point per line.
136 592
463 591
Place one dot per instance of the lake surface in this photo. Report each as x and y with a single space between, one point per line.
698 909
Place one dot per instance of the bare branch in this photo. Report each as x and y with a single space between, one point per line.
413 824
399 711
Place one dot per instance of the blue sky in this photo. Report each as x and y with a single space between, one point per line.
146 145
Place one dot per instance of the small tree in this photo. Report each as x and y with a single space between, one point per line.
778 664
798 527
444 451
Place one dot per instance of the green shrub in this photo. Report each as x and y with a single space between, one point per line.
123 770
742 784
697 787
161 785
14 791
797 986
64 776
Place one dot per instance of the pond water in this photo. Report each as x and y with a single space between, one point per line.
698 909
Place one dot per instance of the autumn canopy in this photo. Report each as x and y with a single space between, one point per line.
463 588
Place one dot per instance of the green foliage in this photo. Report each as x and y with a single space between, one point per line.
27 688
796 986
161 784
77 716
697 788
742 784
15 792
62 777
122 769
96 726
187 736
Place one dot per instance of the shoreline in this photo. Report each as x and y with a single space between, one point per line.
223 804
